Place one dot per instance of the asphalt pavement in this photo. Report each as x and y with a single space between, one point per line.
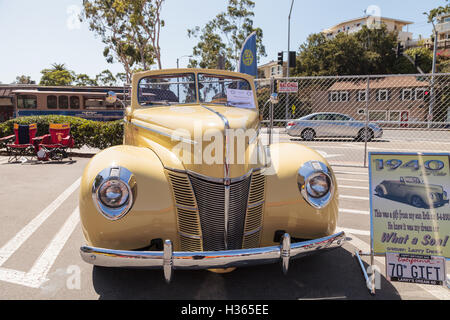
41 235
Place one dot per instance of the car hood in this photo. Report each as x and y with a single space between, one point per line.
196 135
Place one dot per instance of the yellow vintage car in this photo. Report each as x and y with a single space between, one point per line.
194 187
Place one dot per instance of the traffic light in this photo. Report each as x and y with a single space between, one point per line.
426 95
292 59
416 60
400 49
280 58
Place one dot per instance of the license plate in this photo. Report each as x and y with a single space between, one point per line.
415 268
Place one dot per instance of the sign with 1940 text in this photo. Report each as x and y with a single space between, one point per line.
410 212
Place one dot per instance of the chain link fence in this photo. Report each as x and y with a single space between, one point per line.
345 117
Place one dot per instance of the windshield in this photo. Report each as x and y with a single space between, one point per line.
227 90
167 89
411 180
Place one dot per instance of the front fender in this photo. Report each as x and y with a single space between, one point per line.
285 208
152 215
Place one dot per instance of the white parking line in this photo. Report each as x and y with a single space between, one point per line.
353 231
354 211
16 242
440 293
42 266
353 187
38 273
352 172
341 196
356 180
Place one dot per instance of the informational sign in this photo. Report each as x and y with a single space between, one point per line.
415 268
410 212
241 98
287 87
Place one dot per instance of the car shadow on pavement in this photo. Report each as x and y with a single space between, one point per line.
331 275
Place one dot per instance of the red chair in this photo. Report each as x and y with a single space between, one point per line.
56 144
23 145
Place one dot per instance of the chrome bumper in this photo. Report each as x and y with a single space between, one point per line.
169 260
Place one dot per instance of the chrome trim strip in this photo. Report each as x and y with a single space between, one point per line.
169 260
226 215
252 205
253 231
186 207
171 136
189 235
212 179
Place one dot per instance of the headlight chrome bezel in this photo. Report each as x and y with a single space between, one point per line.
308 171
127 178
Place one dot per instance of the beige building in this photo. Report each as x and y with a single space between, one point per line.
272 69
399 99
443 27
354 25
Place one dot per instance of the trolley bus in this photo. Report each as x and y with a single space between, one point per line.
85 102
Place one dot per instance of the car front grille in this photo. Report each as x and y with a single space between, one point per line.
201 212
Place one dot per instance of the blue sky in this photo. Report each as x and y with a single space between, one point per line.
36 34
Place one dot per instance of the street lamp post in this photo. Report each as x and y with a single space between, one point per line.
288 59
433 71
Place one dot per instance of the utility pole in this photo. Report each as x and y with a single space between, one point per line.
288 59
433 71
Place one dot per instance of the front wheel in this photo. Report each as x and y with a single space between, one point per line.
362 135
417 201
308 134
381 191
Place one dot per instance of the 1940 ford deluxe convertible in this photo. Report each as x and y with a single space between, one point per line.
193 186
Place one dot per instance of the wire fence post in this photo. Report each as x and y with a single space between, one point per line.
367 120
271 111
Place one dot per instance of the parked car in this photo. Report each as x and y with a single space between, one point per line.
413 191
153 202
332 125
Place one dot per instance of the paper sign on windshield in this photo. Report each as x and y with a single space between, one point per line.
241 98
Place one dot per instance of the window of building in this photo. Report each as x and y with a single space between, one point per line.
407 94
52 102
420 93
361 96
63 102
375 115
343 96
276 70
338 96
74 102
383 95
27 102
333 97
394 115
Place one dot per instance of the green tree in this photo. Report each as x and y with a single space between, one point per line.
368 51
224 36
106 78
24 80
58 75
130 30
84 80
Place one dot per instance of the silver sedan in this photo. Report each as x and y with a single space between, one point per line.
327 124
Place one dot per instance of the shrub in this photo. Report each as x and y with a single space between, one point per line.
94 134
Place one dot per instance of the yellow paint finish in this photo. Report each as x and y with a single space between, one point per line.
285 208
153 214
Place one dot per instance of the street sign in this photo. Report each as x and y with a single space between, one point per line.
413 268
287 87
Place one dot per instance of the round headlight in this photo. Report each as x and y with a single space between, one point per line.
318 185
315 183
113 193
